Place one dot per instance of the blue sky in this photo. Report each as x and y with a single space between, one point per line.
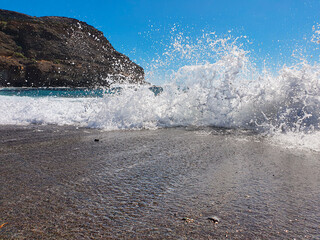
141 29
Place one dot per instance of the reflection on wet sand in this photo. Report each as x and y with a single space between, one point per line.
59 183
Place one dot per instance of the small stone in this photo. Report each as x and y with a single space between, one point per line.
2 225
96 140
188 220
215 219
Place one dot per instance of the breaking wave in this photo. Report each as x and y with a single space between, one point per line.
226 91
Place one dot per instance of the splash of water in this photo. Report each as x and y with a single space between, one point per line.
219 86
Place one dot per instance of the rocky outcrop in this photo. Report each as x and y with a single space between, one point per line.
59 52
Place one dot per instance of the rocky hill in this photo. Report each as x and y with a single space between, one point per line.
59 52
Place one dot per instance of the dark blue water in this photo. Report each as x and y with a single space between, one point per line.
66 92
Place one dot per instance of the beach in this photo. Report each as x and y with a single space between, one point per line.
152 120
65 182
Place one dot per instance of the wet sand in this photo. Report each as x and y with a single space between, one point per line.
58 183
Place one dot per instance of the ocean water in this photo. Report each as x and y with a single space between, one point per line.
225 91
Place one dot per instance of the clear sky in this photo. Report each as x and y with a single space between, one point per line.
140 28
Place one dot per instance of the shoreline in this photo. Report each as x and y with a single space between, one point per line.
59 183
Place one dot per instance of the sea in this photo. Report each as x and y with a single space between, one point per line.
226 91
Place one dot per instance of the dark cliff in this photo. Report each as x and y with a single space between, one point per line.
59 52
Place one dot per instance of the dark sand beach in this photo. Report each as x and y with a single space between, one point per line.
59 183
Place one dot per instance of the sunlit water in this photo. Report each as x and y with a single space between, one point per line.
227 91
159 184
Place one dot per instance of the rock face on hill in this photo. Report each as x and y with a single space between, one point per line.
59 52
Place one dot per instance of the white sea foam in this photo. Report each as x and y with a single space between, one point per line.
297 140
227 92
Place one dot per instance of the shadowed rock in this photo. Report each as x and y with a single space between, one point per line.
59 52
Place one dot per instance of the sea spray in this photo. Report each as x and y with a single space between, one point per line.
220 86
212 95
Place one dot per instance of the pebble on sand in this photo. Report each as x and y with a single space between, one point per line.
215 219
188 220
